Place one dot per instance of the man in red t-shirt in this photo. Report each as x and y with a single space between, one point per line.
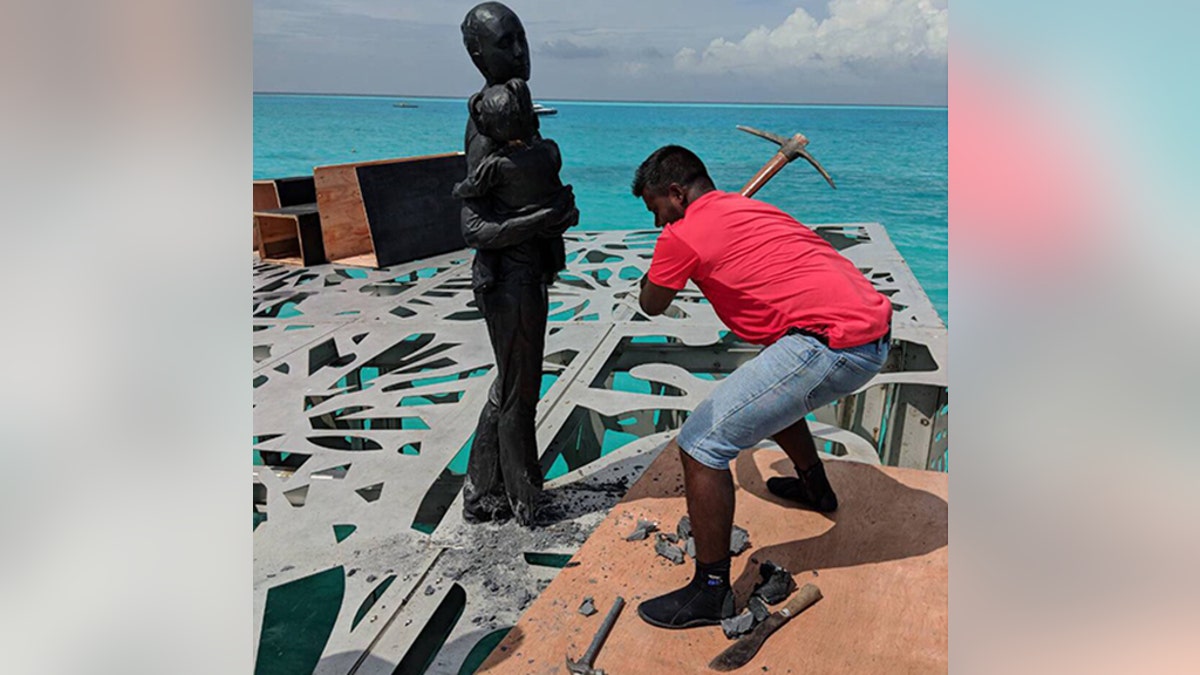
773 282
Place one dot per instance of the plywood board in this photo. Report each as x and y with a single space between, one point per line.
880 561
347 231
344 227
265 195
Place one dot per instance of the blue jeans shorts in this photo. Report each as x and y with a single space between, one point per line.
783 383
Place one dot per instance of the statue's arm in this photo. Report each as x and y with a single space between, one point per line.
482 229
480 181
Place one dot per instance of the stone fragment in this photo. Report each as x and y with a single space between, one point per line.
690 547
643 530
739 540
758 608
738 625
684 529
588 607
666 550
430 590
775 583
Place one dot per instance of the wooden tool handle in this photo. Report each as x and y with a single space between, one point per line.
802 600
764 174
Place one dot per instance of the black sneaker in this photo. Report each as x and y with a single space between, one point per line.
810 489
697 604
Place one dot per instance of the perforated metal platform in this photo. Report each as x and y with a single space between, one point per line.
367 387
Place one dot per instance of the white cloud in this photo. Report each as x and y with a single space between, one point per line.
857 33
633 68
566 48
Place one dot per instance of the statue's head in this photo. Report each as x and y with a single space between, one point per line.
504 112
495 39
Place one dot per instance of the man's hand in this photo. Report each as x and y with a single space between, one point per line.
655 299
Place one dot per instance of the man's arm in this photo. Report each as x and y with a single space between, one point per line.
655 299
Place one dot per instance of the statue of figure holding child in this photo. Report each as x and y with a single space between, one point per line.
515 210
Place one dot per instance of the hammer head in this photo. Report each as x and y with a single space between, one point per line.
581 668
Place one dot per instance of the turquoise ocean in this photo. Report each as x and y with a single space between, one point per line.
889 163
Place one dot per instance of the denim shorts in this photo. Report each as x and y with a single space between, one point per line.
774 390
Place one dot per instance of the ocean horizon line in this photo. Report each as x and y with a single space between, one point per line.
903 106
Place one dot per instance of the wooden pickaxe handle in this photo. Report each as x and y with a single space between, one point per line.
765 174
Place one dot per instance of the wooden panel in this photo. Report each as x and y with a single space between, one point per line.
364 260
345 228
343 220
265 195
880 561
411 208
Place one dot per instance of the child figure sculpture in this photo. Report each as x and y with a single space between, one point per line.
521 174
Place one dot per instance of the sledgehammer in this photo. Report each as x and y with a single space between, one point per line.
789 149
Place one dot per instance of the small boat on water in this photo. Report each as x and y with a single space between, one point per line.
403 104
539 109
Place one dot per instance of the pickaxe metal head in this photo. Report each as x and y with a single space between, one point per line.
791 148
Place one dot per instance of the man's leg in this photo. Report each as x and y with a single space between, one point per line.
810 488
851 369
708 598
710 508
797 442
758 399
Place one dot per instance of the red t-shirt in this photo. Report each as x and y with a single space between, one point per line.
764 273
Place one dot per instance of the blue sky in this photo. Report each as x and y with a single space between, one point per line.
795 51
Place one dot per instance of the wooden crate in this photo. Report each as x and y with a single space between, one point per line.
385 212
290 235
274 193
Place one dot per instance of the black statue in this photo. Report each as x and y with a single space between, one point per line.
515 210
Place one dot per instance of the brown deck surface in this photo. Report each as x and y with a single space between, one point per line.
880 562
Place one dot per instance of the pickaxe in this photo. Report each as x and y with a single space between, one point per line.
789 149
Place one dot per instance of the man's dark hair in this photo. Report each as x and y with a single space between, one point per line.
666 165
